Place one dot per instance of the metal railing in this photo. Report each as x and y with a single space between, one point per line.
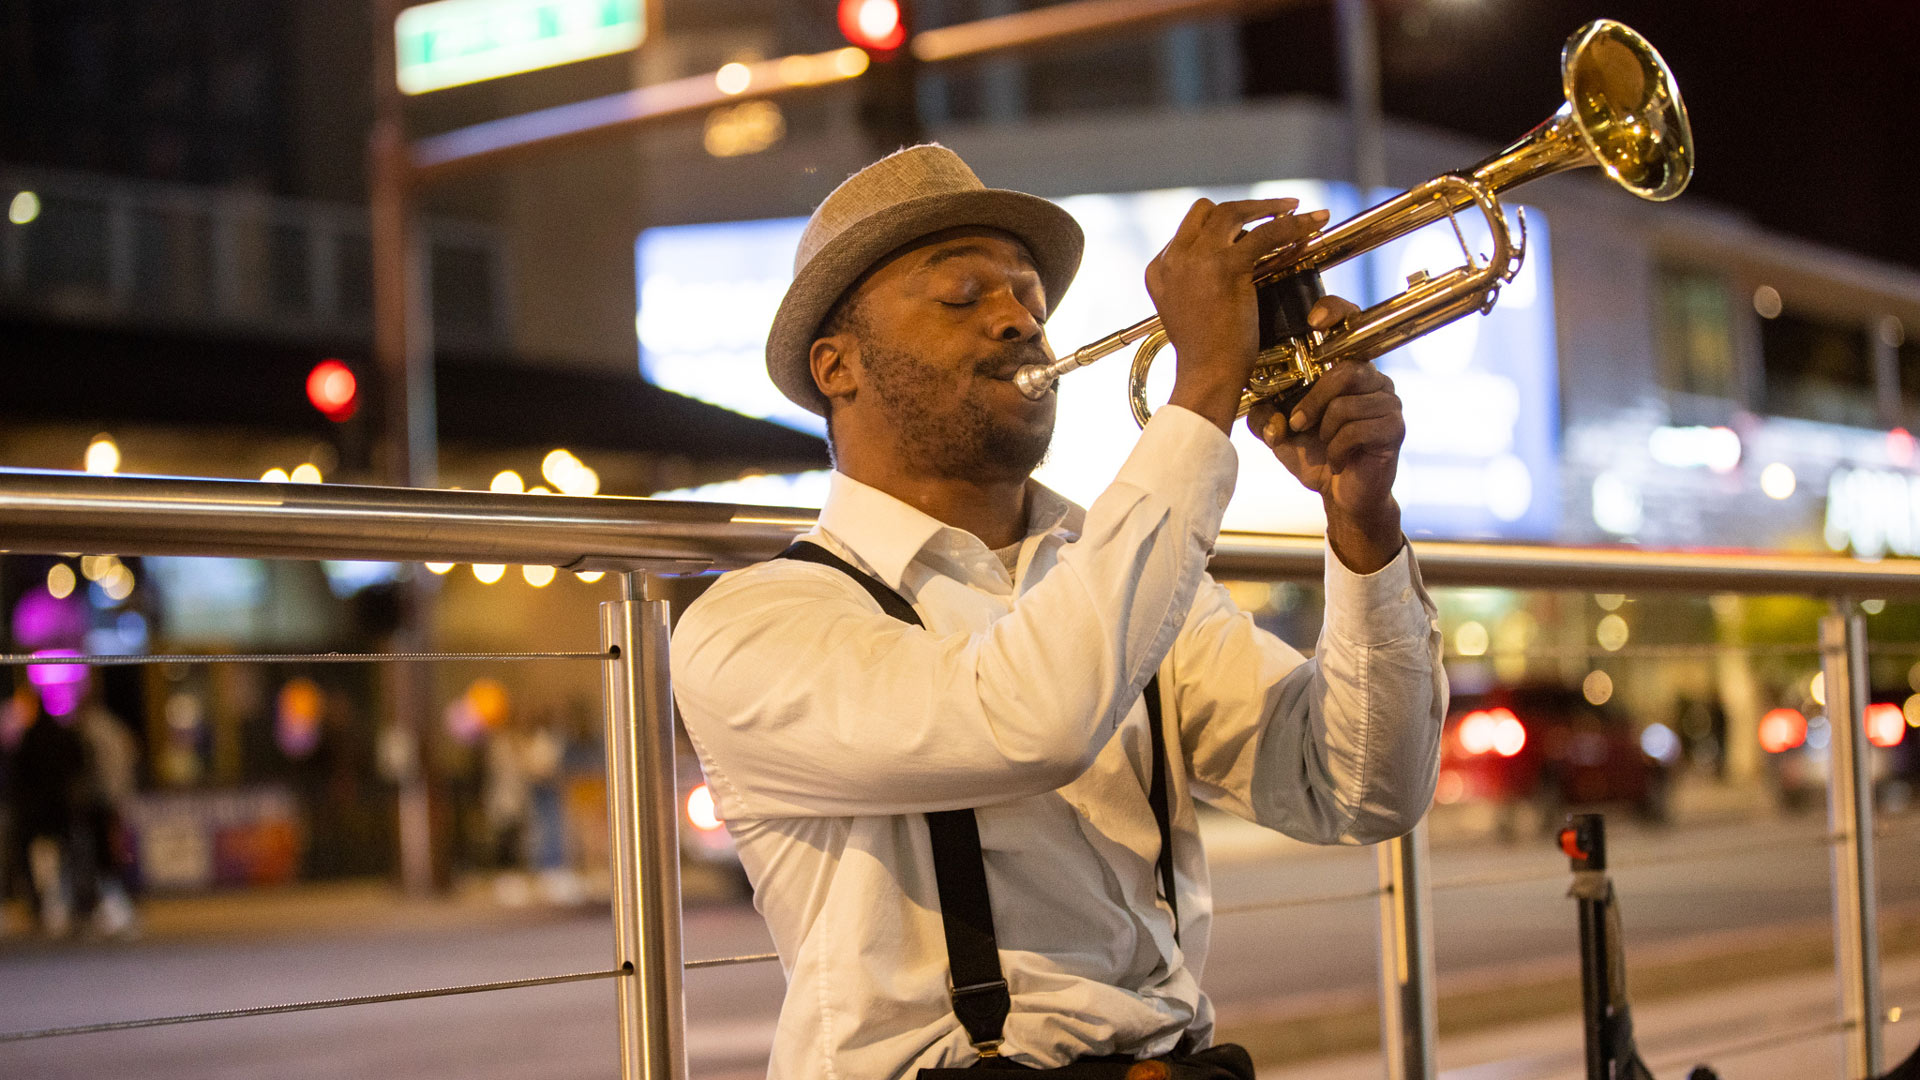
643 540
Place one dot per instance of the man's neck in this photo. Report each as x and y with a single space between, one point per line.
995 511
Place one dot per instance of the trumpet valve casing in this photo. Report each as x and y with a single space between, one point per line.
1285 372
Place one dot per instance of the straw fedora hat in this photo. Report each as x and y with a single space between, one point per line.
900 198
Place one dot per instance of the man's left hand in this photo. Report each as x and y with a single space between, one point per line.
1342 440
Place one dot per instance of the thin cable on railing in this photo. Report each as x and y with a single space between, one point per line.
730 961
1559 874
310 1006
128 660
1644 652
1298 901
1526 877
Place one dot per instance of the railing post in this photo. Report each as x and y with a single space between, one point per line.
1408 1025
643 806
1856 949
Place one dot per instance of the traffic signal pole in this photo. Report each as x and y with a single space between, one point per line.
408 452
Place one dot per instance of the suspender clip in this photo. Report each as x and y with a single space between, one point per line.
982 1009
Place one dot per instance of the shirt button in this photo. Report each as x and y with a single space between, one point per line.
1406 595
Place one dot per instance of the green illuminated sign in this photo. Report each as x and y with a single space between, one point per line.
452 42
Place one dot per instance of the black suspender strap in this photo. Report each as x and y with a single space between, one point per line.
1157 795
979 992
978 987
890 602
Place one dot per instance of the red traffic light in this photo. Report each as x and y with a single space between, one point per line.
877 26
333 390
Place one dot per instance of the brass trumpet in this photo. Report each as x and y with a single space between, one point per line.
1623 113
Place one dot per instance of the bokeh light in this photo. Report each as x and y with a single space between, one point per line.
1781 730
1886 725
1470 639
24 208
1597 687
733 78
103 455
60 581
1778 481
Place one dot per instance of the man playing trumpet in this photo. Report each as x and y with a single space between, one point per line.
957 733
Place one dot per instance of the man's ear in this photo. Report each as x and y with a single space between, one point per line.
831 361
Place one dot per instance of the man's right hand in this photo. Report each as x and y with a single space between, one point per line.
1202 285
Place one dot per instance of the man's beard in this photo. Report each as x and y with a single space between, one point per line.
959 440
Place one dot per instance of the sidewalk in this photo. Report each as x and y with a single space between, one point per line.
363 906
1719 1028
1508 1005
358 907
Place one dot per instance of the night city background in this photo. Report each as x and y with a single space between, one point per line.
205 273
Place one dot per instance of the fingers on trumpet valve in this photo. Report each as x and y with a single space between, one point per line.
1351 393
1331 311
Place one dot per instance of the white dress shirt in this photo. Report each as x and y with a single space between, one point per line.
827 728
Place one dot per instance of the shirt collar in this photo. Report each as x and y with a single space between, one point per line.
887 534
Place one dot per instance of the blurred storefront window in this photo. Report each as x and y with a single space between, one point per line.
1816 369
1695 309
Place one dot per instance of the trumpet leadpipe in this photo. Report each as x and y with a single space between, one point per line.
1037 380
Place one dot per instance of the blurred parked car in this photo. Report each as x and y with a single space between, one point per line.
1549 749
1798 763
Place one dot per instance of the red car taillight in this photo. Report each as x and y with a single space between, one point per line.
1886 725
1492 731
1783 729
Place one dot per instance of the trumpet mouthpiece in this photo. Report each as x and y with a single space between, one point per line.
1036 380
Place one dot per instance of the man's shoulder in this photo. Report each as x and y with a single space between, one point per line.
761 589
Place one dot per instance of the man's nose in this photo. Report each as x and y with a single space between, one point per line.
1014 322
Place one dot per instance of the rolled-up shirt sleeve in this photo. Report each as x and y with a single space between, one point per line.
1340 748
804 699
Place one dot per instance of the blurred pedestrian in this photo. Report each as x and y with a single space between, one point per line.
13 723
49 769
102 856
543 753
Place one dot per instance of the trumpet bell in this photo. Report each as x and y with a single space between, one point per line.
1622 113
1627 108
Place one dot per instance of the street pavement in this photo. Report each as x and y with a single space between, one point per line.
1754 1031
1497 910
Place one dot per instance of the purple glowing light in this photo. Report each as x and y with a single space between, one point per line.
45 675
60 685
41 621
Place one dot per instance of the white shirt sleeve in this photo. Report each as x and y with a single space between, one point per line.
1342 748
803 698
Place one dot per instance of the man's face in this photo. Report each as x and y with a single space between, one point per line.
938 331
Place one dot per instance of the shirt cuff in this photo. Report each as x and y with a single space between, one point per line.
1373 609
1185 459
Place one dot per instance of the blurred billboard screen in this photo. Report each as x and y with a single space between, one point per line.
1481 396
